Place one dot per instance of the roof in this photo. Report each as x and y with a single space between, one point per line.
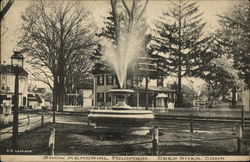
34 97
100 68
162 95
153 88
4 97
86 84
6 69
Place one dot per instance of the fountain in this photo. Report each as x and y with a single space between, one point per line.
122 117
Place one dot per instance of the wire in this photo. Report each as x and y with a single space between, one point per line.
23 118
35 121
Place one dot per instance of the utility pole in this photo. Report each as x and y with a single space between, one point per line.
147 92
15 113
17 68
146 66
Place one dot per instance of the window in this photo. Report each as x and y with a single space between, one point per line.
24 101
109 79
108 97
100 97
159 82
2 87
100 80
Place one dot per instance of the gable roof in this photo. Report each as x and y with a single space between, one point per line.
34 97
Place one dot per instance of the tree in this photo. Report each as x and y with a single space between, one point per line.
122 24
56 36
78 71
220 75
130 18
234 34
180 38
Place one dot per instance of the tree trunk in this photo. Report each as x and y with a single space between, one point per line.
179 92
55 98
61 93
234 97
114 13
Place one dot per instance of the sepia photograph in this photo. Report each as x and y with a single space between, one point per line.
125 80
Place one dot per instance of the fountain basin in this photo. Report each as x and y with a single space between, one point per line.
121 118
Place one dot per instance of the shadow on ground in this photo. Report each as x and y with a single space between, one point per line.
75 139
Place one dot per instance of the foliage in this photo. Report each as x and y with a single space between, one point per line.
180 39
57 38
221 76
234 35
119 24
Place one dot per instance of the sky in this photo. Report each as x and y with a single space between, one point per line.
10 31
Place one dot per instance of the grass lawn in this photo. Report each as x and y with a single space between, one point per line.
77 139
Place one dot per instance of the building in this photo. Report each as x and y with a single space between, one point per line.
83 96
246 99
38 101
7 81
160 92
87 91
158 95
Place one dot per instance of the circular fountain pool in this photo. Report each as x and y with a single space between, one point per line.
122 117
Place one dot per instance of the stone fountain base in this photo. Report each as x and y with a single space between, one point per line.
122 118
121 121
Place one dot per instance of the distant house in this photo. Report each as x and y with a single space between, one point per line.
87 91
83 95
105 80
37 101
246 99
160 93
7 81
34 101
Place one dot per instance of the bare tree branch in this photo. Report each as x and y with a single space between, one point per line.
143 10
5 9
126 7
55 36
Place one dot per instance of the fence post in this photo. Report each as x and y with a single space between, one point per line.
242 119
51 148
88 121
239 137
155 140
191 123
191 139
42 120
28 128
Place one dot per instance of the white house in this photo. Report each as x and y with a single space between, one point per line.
87 91
7 81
